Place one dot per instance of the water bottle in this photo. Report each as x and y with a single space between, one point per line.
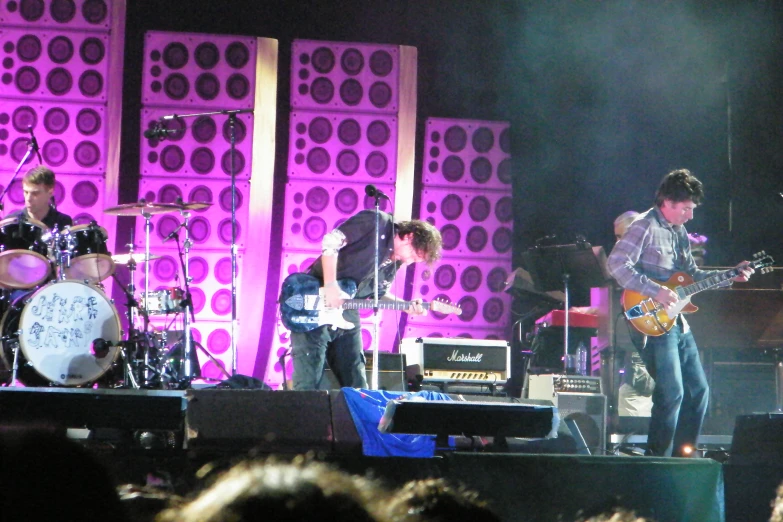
581 359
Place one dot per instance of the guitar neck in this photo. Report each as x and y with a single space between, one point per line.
707 283
367 304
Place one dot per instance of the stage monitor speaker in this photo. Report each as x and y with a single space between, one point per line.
270 422
391 373
588 410
758 440
444 418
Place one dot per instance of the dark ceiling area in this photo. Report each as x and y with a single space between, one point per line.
603 98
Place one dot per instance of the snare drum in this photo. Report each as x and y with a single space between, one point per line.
54 328
23 262
90 259
164 301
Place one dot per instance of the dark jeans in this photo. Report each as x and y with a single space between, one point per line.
681 392
342 349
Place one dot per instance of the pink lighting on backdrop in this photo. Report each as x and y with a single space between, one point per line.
472 223
201 148
313 209
63 65
210 228
90 15
359 148
351 77
189 70
469 153
72 136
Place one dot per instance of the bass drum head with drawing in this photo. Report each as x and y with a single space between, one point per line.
55 327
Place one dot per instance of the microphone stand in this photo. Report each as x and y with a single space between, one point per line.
32 149
375 307
232 114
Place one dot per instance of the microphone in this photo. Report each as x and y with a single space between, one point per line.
173 233
159 132
374 192
34 144
100 347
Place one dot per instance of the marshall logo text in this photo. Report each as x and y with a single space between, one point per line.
458 357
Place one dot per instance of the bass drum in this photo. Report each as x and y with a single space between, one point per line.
54 328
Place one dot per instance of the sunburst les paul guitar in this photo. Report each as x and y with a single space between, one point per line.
303 307
652 318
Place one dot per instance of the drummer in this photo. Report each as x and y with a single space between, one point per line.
38 187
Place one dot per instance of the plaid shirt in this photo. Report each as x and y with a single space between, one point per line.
653 248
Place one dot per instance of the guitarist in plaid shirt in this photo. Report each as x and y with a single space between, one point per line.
654 248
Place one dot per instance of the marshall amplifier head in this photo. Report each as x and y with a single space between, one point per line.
459 360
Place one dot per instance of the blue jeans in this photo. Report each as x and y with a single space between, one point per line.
681 392
343 350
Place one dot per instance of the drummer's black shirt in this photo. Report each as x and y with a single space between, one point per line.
52 218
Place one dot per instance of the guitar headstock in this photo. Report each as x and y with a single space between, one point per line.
762 262
445 308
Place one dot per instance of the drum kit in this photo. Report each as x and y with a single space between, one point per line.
59 328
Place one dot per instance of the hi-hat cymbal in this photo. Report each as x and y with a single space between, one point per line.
140 208
138 257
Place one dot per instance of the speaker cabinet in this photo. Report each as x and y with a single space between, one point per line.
391 373
259 419
588 410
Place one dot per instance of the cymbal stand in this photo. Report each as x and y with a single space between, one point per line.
187 303
147 229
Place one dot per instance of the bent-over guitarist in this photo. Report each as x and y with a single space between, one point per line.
654 248
348 253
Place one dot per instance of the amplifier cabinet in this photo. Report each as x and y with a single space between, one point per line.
588 410
459 360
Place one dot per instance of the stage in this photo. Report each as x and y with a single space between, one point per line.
136 433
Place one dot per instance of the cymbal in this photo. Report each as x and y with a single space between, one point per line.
124 259
194 205
142 207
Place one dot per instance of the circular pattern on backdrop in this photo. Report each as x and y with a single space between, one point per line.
85 194
198 269
346 201
445 277
221 302
219 341
56 120
223 270
199 229
165 268
225 199
493 310
451 236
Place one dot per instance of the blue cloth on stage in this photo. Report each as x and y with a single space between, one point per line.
367 407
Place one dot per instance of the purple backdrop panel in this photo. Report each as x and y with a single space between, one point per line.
61 65
71 136
85 15
467 153
196 147
345 76
80 196
473 223
211 280
209 228
452 331
314 209
215 337
360 148
477 286
189 70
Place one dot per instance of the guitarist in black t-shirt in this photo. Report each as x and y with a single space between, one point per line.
348 254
